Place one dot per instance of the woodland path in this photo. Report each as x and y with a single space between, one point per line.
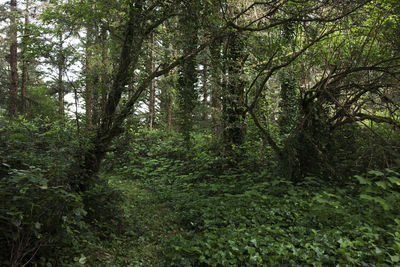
150 225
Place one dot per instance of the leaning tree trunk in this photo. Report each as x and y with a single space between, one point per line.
137 29
89 162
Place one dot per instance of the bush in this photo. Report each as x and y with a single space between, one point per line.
39 216
36 217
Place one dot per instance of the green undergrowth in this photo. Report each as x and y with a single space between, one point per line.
159 203
235 214
275 223
148 224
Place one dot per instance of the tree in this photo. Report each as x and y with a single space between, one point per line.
24 61
152 95
142 19
233 110
187 93
216 85
13 99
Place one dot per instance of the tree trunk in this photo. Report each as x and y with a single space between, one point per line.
89 80
105 82
24 78
216 89
13 101
166 88
110 126
60 65
152 97
96 85
233 97
82 176
169 112
187 94
205 94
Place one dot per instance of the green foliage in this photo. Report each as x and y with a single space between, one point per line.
275 223
148 226
381 189
37 210
41 219
319 78
245 216
35 215
102 203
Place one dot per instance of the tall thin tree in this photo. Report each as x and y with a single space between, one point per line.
152 97
60 68
24 59
13 100
188 73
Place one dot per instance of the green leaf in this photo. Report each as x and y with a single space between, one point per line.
5 164
367 197
395 258
381 184
382 202
362 180
394 180
376 173
82 260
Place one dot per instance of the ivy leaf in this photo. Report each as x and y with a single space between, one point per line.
382 202
394 180
381 184
367 197
362 180
395 258
82 260
376 173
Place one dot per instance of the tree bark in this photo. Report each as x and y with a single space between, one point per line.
89 80
233 112
60 82
13 101
187 95
24 60
169 112
152 97
205 94
166 90
105 81
216 89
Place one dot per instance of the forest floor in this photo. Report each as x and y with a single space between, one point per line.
241 220
150 224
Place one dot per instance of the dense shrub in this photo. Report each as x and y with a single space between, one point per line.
41 218
38 215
